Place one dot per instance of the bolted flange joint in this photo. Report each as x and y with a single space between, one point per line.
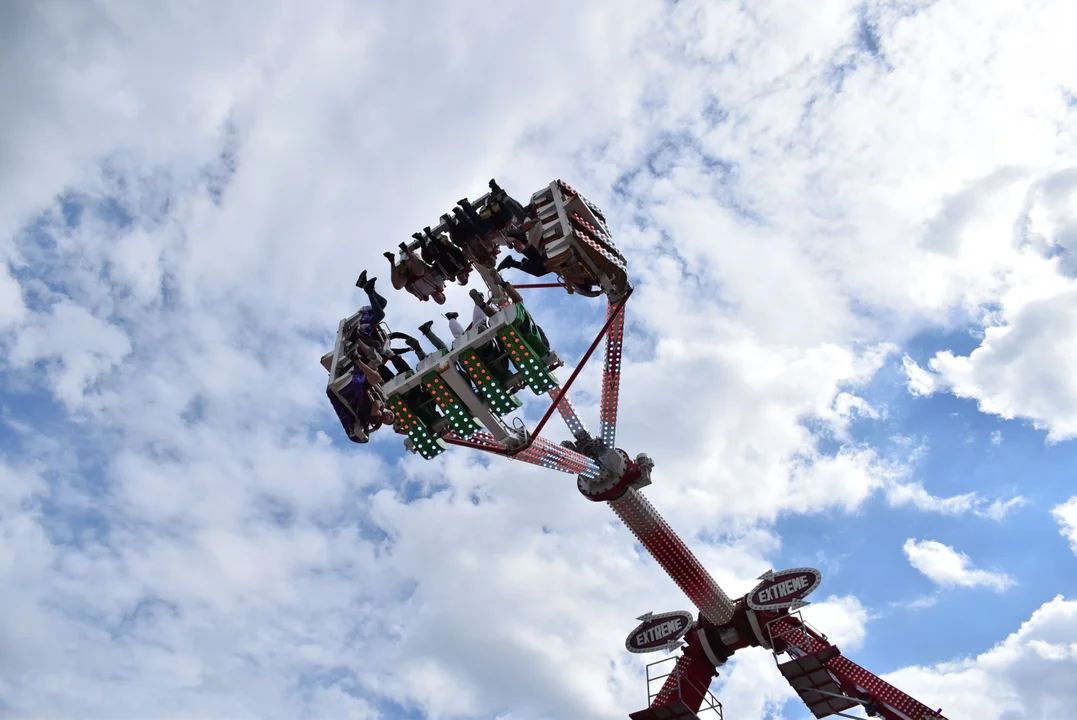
619 472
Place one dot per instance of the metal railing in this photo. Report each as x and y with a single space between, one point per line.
710 703
803 635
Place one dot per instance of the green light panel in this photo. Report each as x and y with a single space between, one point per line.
425 442
501 403
523 356
461 419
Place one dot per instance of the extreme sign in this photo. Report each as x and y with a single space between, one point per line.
785 589
658 632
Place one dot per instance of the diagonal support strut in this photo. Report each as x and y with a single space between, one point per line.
611 375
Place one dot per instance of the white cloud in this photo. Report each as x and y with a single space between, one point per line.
12 306
921 382
83 347
1066 515
900 493
903 490
947 567
1024 368
924 601
213 530
1028 675
843 619
999 509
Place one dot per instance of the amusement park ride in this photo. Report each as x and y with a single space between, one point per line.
460 394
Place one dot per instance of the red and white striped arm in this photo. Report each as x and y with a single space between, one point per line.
551 455
799 641
655 534
611 376
568 412
541 452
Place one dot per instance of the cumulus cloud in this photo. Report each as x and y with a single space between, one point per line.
78 349
843 619
921 382
947 567
1027 675
901 493
1066 515
1024 368
189 189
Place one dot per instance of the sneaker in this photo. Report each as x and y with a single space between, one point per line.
513 295
451 315
508 262
361 282
425 327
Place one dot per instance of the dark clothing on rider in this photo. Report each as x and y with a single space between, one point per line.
370 332
483 225
444 246
466 224
464 237
370 316
533 262
430 335
435 254
377 303
356 413
500 197
398 362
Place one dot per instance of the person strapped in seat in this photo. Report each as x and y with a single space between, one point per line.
359 366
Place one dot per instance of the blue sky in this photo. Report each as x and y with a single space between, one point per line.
959 457
850 347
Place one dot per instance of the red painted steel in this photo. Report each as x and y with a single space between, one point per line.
893 704
611 377
548 454
542 452
583 361
685 689
690 679
673 555
568 412
496 447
